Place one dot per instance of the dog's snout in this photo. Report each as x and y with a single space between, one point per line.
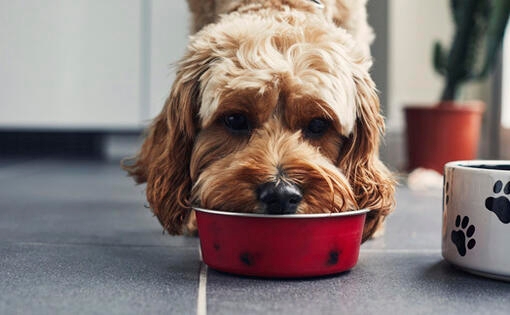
279 198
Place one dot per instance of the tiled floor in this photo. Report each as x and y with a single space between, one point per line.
75 238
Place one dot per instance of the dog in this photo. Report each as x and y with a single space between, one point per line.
272 111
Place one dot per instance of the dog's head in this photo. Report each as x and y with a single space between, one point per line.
274 114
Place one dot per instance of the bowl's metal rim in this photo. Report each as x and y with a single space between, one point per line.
468 165
285 216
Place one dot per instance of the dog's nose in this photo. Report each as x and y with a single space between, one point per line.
281 198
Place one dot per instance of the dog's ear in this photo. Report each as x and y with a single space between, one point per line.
372 182
163 161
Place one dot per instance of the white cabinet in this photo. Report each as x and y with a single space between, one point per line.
169 29
71 64
88 64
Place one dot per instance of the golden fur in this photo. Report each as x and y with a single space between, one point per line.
280 63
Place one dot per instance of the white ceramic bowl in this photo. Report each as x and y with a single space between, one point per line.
476 217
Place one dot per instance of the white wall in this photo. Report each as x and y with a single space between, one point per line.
414 26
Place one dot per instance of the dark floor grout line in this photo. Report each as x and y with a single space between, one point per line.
95 245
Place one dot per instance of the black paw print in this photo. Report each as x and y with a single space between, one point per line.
459 236
500 205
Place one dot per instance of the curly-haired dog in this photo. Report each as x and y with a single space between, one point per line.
272 111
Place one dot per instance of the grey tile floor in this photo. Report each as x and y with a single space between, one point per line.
75 238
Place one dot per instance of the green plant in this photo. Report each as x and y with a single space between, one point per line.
479 30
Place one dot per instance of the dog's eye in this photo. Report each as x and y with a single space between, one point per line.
236 123
317 127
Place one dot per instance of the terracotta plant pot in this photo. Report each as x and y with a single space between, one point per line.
447 132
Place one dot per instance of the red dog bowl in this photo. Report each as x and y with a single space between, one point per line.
286 246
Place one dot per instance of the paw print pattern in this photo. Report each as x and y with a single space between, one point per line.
500 206
460 236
